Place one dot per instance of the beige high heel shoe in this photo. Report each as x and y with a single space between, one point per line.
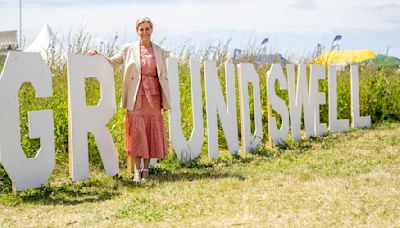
146 175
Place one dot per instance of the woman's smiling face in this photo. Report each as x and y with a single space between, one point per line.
144 31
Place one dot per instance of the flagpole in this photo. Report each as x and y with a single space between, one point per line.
20 24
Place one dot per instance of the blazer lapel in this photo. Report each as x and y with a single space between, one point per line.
157 55
136 46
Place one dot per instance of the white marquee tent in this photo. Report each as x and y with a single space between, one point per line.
45 43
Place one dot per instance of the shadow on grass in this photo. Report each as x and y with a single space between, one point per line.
64 192
69 194
164 175
325 142
104 188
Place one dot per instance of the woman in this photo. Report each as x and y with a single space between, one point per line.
144 94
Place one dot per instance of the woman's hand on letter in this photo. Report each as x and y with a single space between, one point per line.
93 52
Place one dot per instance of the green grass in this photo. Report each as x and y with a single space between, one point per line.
339 180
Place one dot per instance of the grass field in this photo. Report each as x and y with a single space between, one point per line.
339 180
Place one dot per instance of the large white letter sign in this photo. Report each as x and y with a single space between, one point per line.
335 125
215 104
83 119
185 150
247 74
278 104
25 172
357 120
297 99
317 98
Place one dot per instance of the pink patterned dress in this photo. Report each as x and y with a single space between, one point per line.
145 134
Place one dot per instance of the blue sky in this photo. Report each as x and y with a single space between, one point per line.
294 27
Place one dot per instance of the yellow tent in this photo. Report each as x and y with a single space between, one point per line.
344 57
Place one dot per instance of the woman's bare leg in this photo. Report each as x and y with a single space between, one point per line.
146 163
137 167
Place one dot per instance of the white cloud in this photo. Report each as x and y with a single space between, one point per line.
383 7
304 4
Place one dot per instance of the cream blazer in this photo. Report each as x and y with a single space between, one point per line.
129 58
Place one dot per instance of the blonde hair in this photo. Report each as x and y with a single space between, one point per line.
143 20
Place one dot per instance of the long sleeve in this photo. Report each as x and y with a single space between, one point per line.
117 59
